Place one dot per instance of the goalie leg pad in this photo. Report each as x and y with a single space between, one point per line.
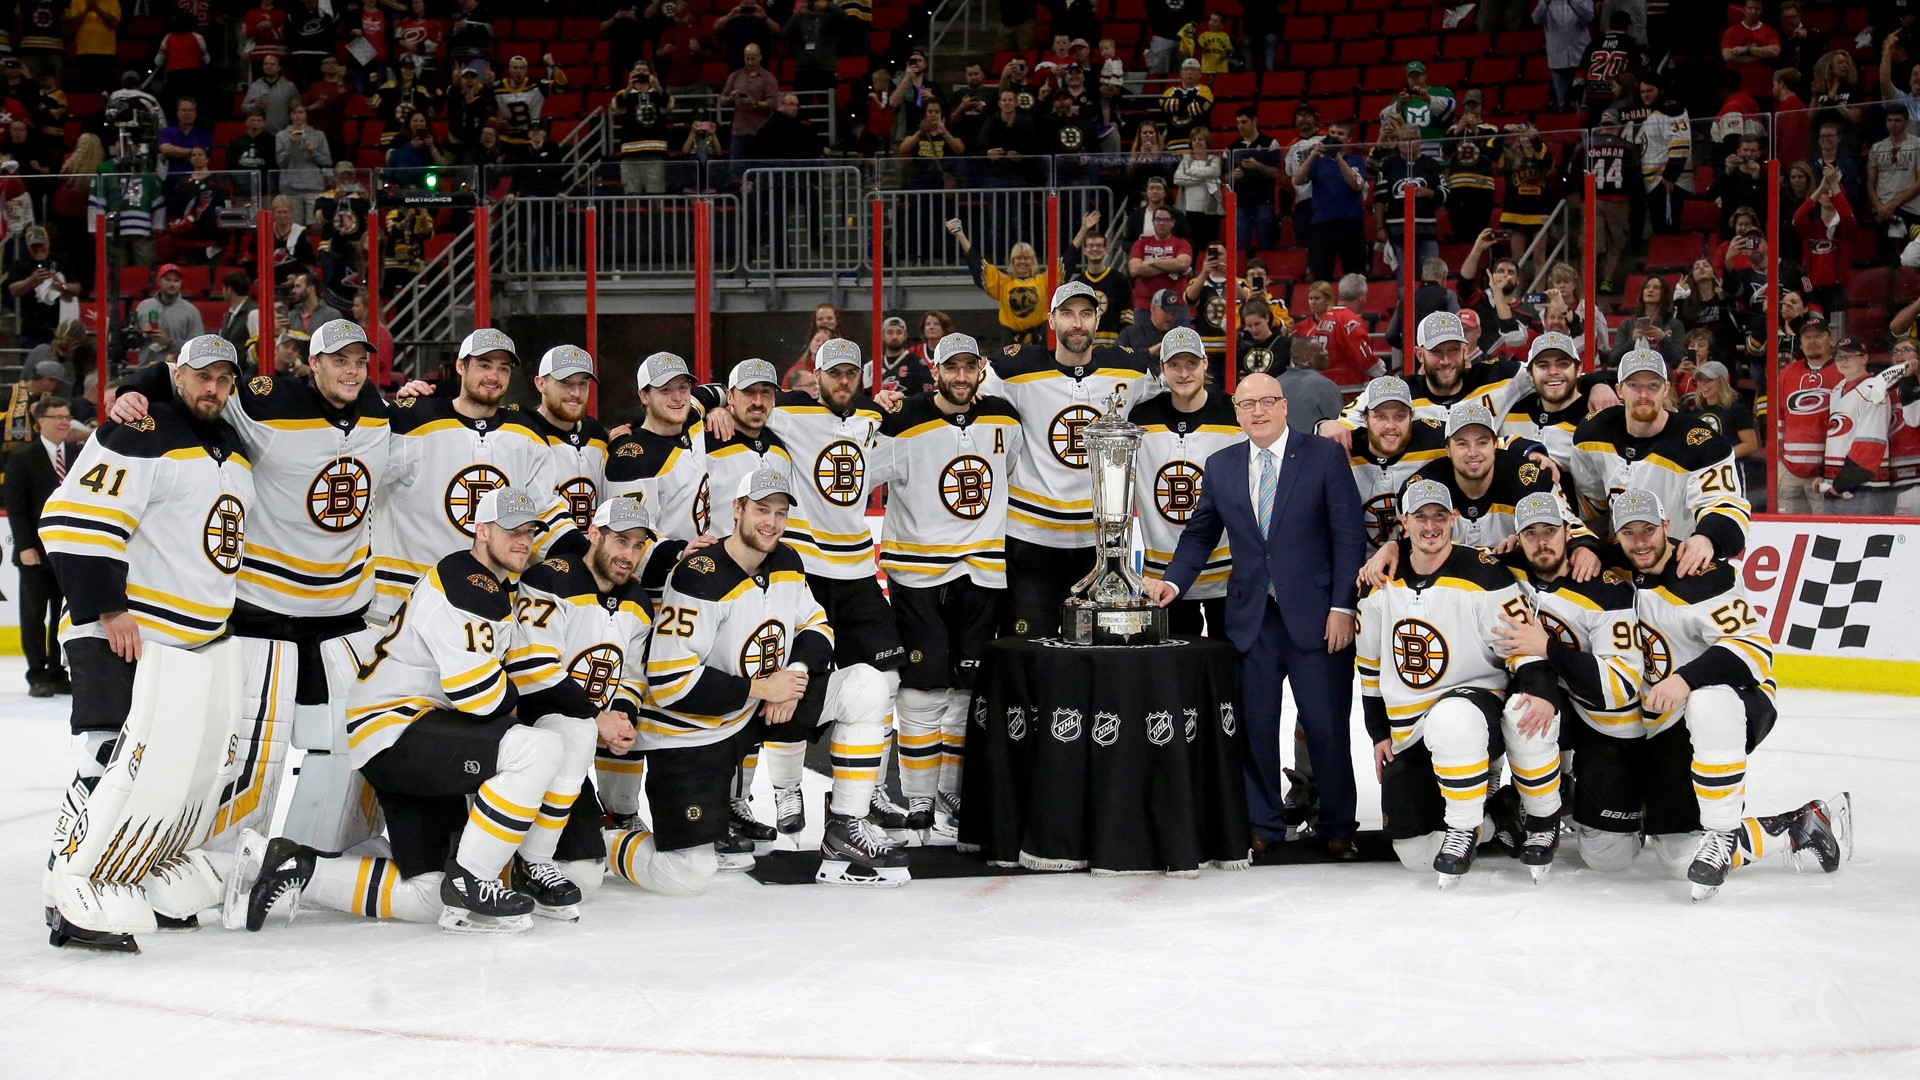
268 719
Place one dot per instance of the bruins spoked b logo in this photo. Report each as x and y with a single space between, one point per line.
1560 631
1380 517
337 499
702 508
1419 653
225 533
1656 657
464 491
765 649
966 486
1064 435
596 670
838 472
582 500
1176 490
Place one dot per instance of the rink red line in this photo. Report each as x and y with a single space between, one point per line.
1341 1064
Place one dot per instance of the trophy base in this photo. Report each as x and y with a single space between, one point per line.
1084 623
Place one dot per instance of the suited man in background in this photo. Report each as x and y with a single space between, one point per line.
33 472
1293 522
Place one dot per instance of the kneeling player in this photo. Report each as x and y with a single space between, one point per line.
1709 702
736 640
1435 712
431 721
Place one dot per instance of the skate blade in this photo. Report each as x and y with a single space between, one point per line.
739 862
240 878
1450 881
570 913
833 872
1840 812
946 827
458 921
167 924
1540 872
1704 892
62 933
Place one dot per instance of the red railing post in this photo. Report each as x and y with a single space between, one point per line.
263 288
593 306
879 285
102 321
381 362
482 266
1590 287
1409 280
1230 323
703 289
1052 254
1775 406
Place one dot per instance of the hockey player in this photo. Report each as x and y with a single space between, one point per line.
1183 427
576 441
1485 482
587 624
1587 633
445 455
1709 700
1050 502
659 462
319 451
943 547
1436 698
1398 445
739 443
737 636
431 720
1640 444
146 536
1549 415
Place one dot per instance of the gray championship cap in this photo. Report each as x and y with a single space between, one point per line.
507 507
1182 340
1072 289
952 345
566 361
1387 388
1423 493
1466 414
761 483
1636 504
335 335
1539 508
623 513
752 373
486 340
1439 328
49 369
660 369
1553 341
206 351
836 352
1639 361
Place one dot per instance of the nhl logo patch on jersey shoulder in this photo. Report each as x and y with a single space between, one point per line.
631 449
261 384
700 564
1698 436
1529 473
483 582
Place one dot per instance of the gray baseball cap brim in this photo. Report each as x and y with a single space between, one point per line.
763 483
662 368
1423 493
1539 508
207 350
507 507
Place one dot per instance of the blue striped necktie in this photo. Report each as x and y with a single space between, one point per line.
1269 479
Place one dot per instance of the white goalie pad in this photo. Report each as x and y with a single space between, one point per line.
332 808
270 674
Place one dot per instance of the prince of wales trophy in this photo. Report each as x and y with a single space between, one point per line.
1106 607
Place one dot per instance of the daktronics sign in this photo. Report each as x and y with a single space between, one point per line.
1836 589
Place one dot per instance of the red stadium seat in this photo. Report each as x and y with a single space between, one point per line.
1524 100
1466 46
1520 43
571 54
1385 77
1364 52
1396 24
1491 71
1221 120
1699 216
579 29
1234 86
1334 81
538 29
1311 55
1355 27
1275 113
1287 264
1447 73
1408 49
1322 7
135 281
1672 252
1282 84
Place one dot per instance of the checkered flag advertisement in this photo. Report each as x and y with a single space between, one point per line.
1831 586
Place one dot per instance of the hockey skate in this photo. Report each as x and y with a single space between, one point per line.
920 817
855 851
248 857
736 853
1542 840
554 895
887 814
1301 806
1823 834
1503 809
1456 856
946 813
61 933
742 823
285 869
476 905
1710 862
790 810
623 822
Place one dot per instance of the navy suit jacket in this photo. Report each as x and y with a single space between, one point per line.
1310 560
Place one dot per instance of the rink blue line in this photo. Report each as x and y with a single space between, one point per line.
1132 1065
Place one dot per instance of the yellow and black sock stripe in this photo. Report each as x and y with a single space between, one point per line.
555 808
857 762
1539 782
1719 781
919 750
956 749
500 818
1462 783
373 888
622 851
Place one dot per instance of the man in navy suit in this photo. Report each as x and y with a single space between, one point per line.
1293 522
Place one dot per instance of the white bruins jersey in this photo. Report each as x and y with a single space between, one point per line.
1168 474
838 461
152 520
446 647
1381 478
947 503
719 628
728 461
1050 500
442 464
1595 647
1424 635
1704 628
1497 384
1687 465
579 464
520 103
585 650
1527 421
1486 521
669 474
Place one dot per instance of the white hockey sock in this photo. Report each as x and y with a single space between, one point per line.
577 738
375 889
953 739
634 857
1717 721
617 780
505 806
1456 736
859 737
786 763
921 762
1536 765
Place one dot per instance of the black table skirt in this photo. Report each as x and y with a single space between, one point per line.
1122 760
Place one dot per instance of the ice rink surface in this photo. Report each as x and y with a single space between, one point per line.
1359 970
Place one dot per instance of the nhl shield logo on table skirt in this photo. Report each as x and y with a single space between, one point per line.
1228 723
1160 728
1106 728
1193 723
1016 723
1066 724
